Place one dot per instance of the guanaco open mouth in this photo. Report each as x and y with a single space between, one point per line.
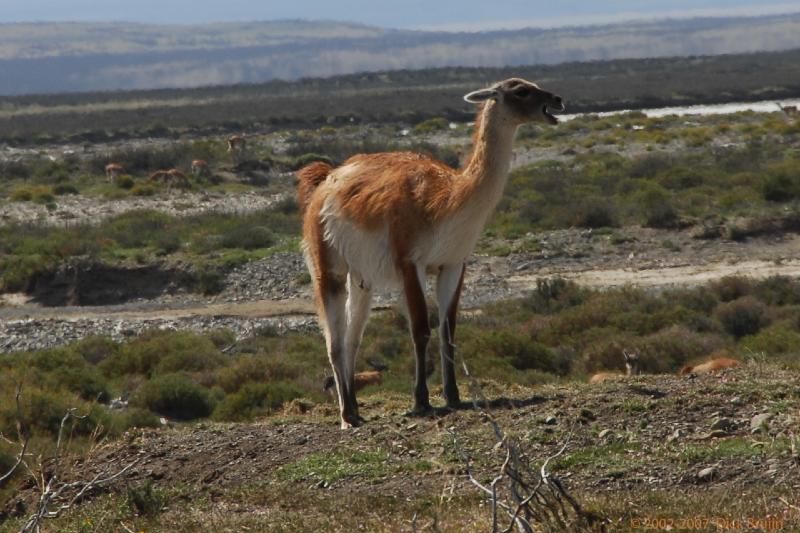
548 115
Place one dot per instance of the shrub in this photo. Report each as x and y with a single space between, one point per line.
136 417
175 396
210 280
669 349
143 189
64 368
519 350
594 212
161 352
657 209
124 182
96 348
65 188
254 399
431 125
781 182
146 500
779 338
248 238
743 316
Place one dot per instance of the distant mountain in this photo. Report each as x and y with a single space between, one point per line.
68 57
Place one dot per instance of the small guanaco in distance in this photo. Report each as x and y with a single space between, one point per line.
170 177
237 144
361 380
632 368
712 365
113 171
200 168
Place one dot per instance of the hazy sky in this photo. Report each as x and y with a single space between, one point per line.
439 14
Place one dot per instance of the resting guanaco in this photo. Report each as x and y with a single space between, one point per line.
712 365
631 369
362 379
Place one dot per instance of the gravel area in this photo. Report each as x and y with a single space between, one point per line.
74 210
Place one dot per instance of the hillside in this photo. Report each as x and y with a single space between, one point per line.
697 453
401 96
59 57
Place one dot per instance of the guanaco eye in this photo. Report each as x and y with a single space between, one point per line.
522 93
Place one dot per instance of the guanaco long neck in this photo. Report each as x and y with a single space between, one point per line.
486 172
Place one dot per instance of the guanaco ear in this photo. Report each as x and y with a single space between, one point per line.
476 97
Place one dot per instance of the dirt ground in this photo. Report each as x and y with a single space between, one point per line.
660 435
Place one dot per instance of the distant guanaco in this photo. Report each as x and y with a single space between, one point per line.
200 168
113 170
362 379
632 368
237 144
712 365
171 177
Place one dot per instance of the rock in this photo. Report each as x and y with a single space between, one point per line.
724 424
587 415
550 420
759 422
707 474
677 434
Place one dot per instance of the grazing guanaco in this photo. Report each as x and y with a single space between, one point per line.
170 177
387 220
632 368
113 171
237 144
200 168
712 365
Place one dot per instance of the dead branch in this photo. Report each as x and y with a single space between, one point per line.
54 496
23 436
534 497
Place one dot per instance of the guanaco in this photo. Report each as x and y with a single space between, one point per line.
387 220
632 368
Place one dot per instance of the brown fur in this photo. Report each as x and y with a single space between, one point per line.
309 178
172 175
113 170
361 380
632 368
712 365
412 195
200 167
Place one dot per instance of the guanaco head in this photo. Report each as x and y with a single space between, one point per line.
632 367
522 100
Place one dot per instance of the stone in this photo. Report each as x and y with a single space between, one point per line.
707 474
759 422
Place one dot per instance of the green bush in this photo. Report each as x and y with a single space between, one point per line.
96 348
779 338
135 417
161 352
175 396
594 212
64 368
253 399
743 316
65 188
210 280
125 182
431 125
143 189
251 238
781 182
